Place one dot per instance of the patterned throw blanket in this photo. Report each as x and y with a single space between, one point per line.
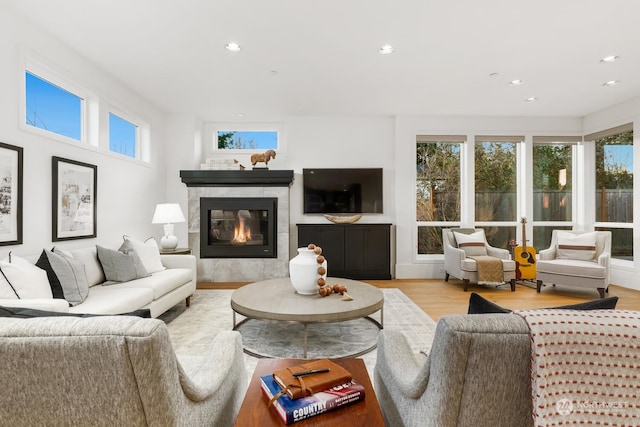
490 271
585 367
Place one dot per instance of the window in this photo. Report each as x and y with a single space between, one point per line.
614 187
247 140
553 159
52 108
495 184
437 189
123 136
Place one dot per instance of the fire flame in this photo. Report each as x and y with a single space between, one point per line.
240 235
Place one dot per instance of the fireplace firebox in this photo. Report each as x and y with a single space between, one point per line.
238 227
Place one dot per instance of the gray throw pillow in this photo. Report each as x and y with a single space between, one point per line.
66 276
119 267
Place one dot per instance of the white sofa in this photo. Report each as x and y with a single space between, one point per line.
158 292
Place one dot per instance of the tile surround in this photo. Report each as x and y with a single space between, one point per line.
240 269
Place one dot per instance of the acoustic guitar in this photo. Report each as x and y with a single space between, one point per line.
526 255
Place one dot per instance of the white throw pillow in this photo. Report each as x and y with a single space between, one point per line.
28 280
472 244
147 251
6 290
576 246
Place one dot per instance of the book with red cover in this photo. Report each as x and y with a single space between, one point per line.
291 410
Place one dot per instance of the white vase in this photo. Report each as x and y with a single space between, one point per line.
303 271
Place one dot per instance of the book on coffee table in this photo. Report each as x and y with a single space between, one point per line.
291 410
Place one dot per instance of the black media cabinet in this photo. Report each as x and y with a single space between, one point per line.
353 251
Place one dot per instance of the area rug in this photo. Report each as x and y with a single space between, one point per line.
192 329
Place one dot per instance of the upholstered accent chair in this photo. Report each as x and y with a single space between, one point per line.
576 258
114 371
459 265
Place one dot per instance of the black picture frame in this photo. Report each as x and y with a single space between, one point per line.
11 195
74 202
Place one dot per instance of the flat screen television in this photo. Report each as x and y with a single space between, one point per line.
348 191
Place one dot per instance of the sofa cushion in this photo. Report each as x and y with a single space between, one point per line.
66 276
7 291
572 267
114 299
147 251
472 244
26 279
480 305
28 313
92 267
576 246
120 267
162 282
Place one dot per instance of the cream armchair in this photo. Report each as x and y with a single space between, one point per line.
576 258
457 264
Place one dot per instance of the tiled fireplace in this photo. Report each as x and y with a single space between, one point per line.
239 223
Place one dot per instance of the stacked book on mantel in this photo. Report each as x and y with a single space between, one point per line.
221 165
310 389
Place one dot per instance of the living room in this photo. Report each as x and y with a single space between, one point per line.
180 139
152 60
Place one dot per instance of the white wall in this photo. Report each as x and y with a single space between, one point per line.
127 190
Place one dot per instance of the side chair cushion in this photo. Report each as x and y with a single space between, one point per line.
480 305
576 246
472 244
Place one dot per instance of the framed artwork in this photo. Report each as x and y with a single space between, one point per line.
74 199
10 195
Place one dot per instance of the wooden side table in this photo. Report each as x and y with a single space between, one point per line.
255 412
176 251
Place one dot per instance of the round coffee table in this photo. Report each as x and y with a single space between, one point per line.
276 299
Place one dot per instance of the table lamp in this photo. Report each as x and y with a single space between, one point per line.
168 214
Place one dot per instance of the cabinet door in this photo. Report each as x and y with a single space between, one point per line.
367 251
331 239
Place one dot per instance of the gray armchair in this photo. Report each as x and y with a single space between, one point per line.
576 261
477 374
113 370
457 264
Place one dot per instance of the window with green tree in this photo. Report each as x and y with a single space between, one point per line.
437 188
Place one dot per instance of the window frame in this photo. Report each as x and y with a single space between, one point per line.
65 83
419 138
212 130
138 133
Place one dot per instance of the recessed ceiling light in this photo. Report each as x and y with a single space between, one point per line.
386 50
531 99
273 72
611 83
493 75
611 58
517 82
233 47
240 115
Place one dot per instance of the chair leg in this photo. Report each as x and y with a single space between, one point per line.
446 276
188 301
465 284
512 282
601 292
538 285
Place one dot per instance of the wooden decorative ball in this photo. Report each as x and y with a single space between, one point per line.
320 259
311 246
322 271
317 250
321 282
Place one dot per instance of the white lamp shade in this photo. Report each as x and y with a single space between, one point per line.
167 213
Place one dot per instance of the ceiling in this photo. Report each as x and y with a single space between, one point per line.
319 58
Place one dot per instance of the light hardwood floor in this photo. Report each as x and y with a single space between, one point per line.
438 298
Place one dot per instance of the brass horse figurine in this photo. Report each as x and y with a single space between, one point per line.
263 157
